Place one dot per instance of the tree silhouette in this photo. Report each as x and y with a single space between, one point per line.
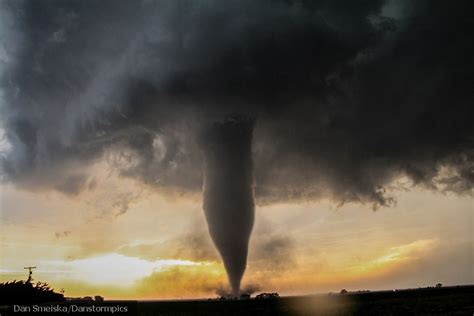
24 292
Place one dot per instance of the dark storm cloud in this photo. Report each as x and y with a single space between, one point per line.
347 95
72 184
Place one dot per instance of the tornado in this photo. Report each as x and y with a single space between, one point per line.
228 197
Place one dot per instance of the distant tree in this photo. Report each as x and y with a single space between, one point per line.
343 291
244 296
267 296
439 285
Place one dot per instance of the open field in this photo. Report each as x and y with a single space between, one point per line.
427 301
444 301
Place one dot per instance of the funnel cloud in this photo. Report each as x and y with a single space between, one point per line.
228 192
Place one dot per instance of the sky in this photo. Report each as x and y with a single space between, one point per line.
160 248
121 121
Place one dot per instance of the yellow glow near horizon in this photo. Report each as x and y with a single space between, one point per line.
394 257
111 268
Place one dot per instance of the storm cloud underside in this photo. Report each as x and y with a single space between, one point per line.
347 96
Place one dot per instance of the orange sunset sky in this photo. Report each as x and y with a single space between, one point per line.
125 240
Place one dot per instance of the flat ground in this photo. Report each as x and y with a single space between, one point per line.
428 301
432 301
